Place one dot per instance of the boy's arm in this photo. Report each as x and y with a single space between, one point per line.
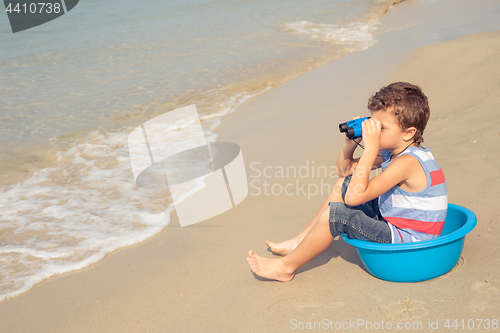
346 163
397 172
361 189
350 169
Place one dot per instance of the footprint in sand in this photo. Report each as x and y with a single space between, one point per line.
404 309
488 286
484 289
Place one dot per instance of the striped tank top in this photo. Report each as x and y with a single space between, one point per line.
416 216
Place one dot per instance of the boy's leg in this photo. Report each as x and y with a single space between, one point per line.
360 222
283 269
286 247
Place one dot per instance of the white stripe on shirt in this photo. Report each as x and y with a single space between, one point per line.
424 155
432 203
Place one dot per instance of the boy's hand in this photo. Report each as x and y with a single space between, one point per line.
371 133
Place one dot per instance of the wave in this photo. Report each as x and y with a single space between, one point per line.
353 34
72 214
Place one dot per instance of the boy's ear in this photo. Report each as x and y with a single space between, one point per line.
409 133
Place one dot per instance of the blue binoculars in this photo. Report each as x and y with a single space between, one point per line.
352 128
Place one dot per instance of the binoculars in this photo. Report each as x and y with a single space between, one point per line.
352 128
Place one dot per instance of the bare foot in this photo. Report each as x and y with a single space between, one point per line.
283 248
269 268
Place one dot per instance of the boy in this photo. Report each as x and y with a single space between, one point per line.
407 202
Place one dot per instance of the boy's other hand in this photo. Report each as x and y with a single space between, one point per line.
371 133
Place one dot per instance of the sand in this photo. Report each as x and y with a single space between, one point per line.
196 279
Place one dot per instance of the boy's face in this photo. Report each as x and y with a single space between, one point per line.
391 135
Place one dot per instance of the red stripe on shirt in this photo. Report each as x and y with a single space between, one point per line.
432 228
437 177
400 236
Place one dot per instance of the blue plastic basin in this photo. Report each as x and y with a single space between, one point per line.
418 261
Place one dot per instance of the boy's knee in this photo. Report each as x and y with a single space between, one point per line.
340 181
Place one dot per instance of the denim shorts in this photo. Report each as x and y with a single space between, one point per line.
363 222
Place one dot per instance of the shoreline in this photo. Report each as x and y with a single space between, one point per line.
274 129
38 160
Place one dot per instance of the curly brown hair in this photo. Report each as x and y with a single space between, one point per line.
407 102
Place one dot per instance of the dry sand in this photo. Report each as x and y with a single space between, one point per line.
196 279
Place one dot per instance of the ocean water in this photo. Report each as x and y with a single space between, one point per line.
73 89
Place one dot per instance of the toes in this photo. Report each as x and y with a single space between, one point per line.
252 258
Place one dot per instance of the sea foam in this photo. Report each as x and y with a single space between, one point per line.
353 34
73 214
